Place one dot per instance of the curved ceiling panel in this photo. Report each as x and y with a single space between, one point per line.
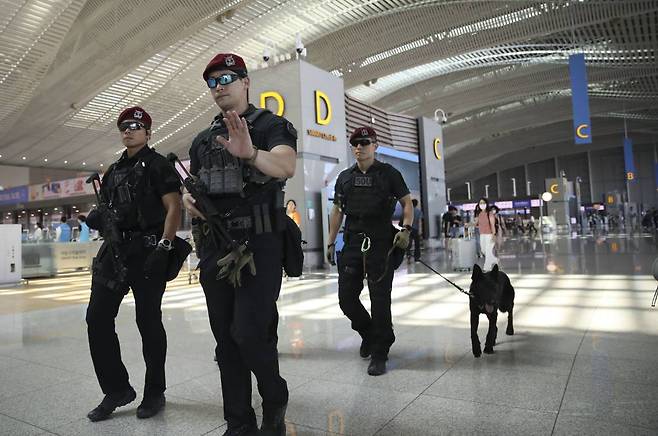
497 67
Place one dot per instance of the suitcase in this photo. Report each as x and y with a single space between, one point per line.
463 254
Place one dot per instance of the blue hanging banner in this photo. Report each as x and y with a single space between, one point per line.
16 195
629 164
579 99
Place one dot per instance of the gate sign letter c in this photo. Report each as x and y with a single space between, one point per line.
554 189
582 131
437 152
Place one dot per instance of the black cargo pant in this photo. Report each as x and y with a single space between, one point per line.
378 328
244 322
103 309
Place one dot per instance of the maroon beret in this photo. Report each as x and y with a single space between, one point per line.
364 132
135 113
226 61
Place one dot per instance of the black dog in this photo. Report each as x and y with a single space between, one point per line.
490 292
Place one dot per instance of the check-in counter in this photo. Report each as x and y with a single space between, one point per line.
46 259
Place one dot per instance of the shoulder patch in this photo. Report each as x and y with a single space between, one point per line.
291 129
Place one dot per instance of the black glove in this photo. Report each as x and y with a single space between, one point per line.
155 265
95 219
331 254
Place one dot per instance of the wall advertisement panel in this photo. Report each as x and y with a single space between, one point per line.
60 189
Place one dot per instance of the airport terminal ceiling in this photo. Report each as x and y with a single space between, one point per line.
497 68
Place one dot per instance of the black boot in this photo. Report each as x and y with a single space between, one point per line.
110 403
150 406
364 350
377 366
242 430
274 421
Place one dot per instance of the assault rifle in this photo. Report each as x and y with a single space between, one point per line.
197 188
111 233
239 255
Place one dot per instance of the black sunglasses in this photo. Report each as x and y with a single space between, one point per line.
361 142
132 125
224 79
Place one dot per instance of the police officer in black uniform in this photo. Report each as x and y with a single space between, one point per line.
243 160
366 194
143 191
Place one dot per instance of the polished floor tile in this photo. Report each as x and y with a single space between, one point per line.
573 425
345 408
13 427
582 360
520 361
612 401
30 377
616 369
479 383
54 406
179 417
409 374
620 345
429 415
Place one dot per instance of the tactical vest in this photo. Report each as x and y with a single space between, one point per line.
366 198
131 195
220 171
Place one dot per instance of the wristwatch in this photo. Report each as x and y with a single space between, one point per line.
408 227
165 244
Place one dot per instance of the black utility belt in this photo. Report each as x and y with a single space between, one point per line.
149 238
264 218
351 237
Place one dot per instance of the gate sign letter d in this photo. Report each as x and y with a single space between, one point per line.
321 97
281 105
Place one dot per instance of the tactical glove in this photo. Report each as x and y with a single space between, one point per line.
401 239
155 265
235 276
230 266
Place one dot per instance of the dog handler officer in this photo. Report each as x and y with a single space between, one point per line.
366 194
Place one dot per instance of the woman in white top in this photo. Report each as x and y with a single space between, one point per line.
486 224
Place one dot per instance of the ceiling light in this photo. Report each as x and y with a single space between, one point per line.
66 161
23 158
84 163
45 159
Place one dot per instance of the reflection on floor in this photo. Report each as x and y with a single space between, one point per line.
582 360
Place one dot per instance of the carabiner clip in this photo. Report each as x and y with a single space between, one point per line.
365 245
